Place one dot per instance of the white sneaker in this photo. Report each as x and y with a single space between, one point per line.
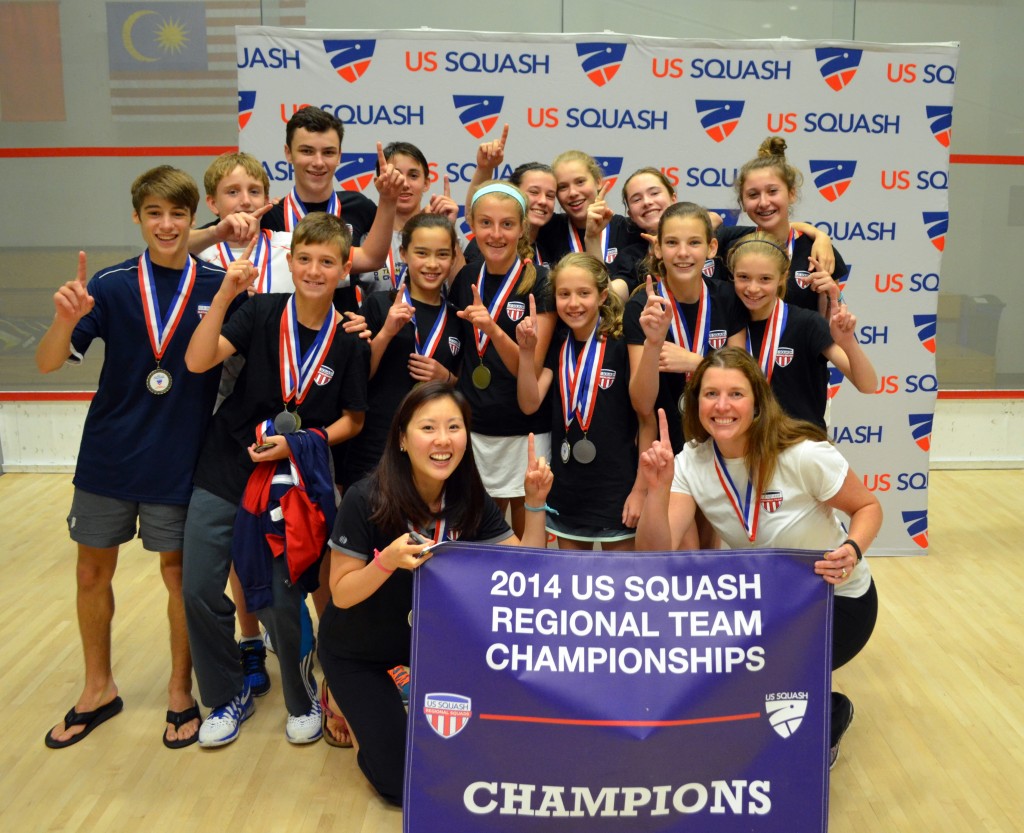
306 728
224 722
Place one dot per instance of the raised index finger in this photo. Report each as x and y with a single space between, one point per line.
531 453
606 186
252 245
663 428
381 161
650 287
259 212
533 307
447 187
83 273
504 136
400 290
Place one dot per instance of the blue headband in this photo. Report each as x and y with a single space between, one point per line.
500 188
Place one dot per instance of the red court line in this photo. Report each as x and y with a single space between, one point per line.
984 159
162 151
981 394
46 396
515 718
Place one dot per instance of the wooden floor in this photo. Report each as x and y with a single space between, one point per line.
937 744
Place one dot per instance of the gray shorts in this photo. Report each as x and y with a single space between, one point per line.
104 522
579 532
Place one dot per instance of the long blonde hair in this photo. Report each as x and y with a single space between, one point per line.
611 308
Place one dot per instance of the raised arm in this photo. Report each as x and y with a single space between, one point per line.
846 353
72 302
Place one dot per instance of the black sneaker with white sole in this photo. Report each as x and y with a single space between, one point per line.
842 717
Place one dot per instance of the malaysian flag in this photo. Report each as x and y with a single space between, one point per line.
177 60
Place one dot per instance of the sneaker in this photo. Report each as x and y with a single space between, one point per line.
842 717
254 665
400 674
266 641
306 728
224 722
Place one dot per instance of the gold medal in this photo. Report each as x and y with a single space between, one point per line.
481 377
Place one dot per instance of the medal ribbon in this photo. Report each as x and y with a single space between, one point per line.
295 209
395 272
441 531
698 341
747 511
260 259
790 240
297 376
497 303
576 244
773 330
434 338
577 379
161 329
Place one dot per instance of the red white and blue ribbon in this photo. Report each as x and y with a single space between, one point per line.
441 531
161 329
698 341
297 372
434 337
578 379
774 327
497 302
396 269
790 240
747 511
295 209
260 259
577 245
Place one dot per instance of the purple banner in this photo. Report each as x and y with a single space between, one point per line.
619 692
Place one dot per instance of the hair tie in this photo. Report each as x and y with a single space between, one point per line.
500 188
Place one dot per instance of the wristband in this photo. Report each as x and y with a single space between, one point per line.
544 508
379 563
856 549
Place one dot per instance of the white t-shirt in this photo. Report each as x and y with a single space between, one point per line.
793 512
280 276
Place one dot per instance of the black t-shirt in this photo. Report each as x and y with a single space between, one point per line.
553 238
392 381
728 317
799 379
798 291
630 266
357 212
592 494
377 629
496 408
254 330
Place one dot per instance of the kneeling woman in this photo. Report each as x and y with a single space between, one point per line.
741 446
427 483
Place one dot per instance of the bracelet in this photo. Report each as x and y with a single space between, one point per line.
379 563
856 549
544 508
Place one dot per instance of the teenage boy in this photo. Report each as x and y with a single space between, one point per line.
141 437
301 368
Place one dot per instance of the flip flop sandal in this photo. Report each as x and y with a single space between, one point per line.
341 726
179 719
89 720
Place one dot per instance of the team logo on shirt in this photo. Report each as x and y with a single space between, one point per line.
478 113
802 278
717 339
350 58
246 104
601 60
708 269
937 224
783 356
447 714
832 176
940 121
917 527
606 379
835 379
926 326
719 117
357 170
838 65
202 309
515 310
454 345
611 255
611 167
786 711
921 430
771 500
323 375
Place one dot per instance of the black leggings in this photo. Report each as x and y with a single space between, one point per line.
853 620
372 705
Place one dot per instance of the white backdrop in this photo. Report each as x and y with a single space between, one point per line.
868 124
